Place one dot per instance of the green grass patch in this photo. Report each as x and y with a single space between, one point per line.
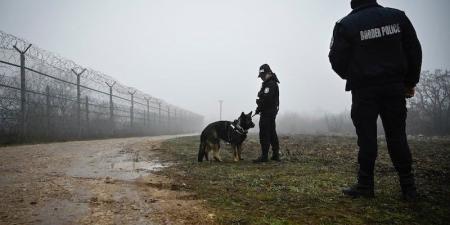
305 188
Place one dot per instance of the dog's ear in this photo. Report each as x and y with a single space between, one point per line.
250 114
242 114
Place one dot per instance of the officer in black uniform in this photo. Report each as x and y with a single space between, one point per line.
268 103
376 50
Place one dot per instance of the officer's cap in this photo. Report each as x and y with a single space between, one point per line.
264 69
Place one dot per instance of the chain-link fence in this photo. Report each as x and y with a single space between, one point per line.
44 97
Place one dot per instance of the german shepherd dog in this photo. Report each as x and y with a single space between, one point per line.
234 133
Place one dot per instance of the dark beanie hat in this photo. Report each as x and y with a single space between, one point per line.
357 3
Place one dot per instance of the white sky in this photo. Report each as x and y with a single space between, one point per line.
193 53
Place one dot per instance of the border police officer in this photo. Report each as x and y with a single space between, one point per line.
376 50
268 104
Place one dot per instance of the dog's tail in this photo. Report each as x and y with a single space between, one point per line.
201 151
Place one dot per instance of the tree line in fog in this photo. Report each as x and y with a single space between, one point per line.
428 112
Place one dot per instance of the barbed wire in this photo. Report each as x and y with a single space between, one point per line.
52 65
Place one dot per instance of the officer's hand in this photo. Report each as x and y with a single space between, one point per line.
410 92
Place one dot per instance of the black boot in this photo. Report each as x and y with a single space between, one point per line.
364 186
261 159
276 158
409 193
275 155
408 185
264 155
359 190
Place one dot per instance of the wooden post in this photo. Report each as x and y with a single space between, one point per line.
78 100
22 119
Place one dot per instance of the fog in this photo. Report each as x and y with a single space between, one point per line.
194 53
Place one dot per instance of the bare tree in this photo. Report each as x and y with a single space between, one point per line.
431 105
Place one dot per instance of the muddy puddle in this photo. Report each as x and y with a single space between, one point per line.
116 166
133 170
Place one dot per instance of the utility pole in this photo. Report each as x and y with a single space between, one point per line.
220 109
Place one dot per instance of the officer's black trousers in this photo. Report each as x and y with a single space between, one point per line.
388 102
268 135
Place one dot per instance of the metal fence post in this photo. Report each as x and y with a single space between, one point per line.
23 124
182 125
168 118
47 111
132 108
111 106
159 114
78 100
147 119
175 119
87 116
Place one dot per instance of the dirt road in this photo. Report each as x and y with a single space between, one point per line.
92 182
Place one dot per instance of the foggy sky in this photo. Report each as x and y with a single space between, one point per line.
193 53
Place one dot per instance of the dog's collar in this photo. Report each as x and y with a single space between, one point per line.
235 125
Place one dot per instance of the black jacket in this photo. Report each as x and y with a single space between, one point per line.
375 46
268 97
